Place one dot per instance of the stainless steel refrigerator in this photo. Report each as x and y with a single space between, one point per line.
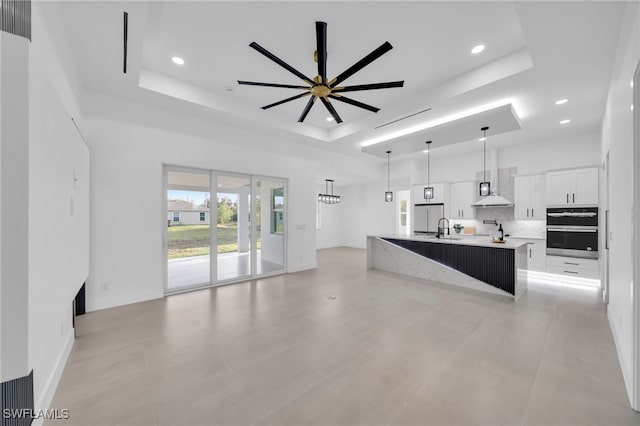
426 216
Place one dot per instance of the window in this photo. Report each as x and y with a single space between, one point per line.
176 216
403 212
277 211
202 216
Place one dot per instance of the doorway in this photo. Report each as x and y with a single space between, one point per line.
242 216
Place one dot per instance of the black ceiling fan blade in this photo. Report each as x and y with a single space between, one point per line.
280 62
359 87
285 86
354 103
321 41
292 98
306 109
381 50
331 110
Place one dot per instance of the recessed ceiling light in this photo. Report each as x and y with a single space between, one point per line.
479 48
177 60
561 101
329 118
565 121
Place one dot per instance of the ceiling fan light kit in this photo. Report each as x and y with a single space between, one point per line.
320 87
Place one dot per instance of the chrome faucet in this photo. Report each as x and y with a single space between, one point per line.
441 229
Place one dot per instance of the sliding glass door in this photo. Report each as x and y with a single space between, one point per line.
249 232
234 254
188 229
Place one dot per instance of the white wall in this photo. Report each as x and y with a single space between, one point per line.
330 233
617 139
58 215
126 167
366 213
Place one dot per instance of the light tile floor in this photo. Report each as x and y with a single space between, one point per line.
388 350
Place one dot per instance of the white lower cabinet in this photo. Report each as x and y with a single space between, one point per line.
536 254
571 266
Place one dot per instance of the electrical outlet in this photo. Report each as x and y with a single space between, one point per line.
104 286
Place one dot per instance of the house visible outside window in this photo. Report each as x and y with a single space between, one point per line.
202 214
277 211
176 216
403 213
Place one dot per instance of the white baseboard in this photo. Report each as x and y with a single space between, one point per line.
54 378
298 268
627 376
125 299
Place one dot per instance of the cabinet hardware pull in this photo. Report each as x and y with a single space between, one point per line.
570 272
532 212
529 253
574 198
527 212
569 263
567 198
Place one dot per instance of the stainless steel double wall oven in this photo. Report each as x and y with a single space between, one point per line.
572 231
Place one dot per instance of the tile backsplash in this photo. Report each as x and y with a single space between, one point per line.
518 228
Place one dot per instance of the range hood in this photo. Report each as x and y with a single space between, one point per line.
493 200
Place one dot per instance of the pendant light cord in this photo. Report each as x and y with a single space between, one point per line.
484 164
428 166
388 171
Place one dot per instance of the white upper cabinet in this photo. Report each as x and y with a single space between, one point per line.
529 197
439 194
573 187
462 195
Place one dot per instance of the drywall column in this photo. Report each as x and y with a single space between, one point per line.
15 31
243 219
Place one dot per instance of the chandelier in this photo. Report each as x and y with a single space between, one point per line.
326 197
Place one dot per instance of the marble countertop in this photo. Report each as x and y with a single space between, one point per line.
458 240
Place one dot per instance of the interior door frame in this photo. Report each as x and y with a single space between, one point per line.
213 215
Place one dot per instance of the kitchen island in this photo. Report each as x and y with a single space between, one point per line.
472 262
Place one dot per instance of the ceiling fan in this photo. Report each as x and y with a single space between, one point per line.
319 86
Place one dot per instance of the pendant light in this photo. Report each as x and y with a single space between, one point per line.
388 196
328 198
485 187
428 191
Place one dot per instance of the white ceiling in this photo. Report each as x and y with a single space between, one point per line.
536 53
